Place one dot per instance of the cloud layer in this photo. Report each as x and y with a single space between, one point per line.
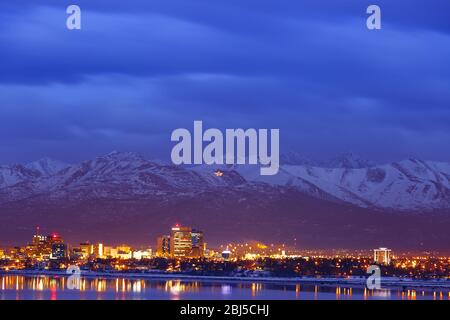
137 70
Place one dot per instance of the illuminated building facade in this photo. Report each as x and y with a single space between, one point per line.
142 254
109 251
98 250
44 247
163 246
382 256
124 252
40 246
59 251
86 250
181 242
226 254
198 244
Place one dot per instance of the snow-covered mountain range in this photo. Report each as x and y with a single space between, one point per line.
406 185
410 185
346 160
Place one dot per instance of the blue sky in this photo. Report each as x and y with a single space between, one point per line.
139 69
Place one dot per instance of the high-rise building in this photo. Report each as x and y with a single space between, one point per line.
382 256
181 242
42 246
86 250
108 251
198 244
59 251
226 254
98 250
38 240
163 246
55 238
124 252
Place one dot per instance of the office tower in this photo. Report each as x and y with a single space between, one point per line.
124 252
163 246
42 246
382 256
98 250
107 251
226 254
181 242
198 244
86 249
59 251
55 238
76 253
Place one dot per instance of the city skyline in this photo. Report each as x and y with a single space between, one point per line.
187 253
136 72
240 151
156 246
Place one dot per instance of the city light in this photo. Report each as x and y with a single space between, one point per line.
185 250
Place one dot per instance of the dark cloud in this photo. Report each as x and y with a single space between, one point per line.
139 69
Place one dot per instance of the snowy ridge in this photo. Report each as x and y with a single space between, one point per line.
410 185
407 185
46 166
346 160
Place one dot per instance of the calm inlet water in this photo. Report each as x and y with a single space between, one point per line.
55 288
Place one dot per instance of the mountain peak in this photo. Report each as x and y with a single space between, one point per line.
349 160
46 166
123 155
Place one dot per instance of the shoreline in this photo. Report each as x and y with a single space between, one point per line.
387 282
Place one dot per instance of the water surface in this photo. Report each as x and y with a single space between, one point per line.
45 287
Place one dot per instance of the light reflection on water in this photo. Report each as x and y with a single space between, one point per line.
55 287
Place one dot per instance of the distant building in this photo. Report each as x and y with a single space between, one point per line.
163 246
55 238
42 246
86 250
123 249
38 240
124 252
108 251
226 254
198 244
181 242
142 254
112 253
382 256
76 253
98 250
59 251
